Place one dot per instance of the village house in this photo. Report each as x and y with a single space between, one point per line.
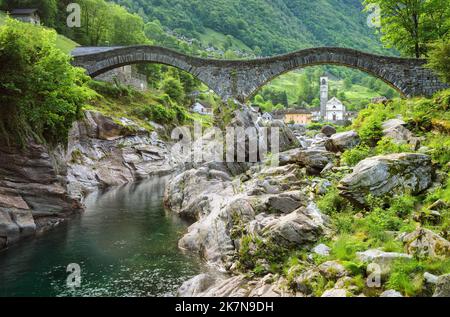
26 15
201 109
296 116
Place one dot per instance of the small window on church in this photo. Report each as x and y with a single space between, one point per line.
324 82
334 107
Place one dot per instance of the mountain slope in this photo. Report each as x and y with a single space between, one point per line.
267 27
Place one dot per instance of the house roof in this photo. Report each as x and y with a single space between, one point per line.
23 11
292 111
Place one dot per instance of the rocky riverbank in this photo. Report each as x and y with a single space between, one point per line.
246 224
41 187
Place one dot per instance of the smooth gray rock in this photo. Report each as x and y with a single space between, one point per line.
340 142
442 286
321 249
391 173
391 293
424 242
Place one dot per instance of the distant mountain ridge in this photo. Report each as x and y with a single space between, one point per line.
266 27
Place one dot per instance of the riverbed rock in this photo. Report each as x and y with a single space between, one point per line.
425 243
328 130
299 228
321 249
335 292
332 270
391 173
234 286
442 286
340 142
313 159
391 293
382 258
103 153
396 130
196 285
33 192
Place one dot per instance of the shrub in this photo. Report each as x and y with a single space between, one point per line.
173 88
440 148
111 90
332 202
346 246
406 277
353 156
388 146
403 205
439 59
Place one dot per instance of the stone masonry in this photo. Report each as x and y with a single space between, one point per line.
241 79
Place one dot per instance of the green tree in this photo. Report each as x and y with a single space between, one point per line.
348 83
439 60
173 88
410 25
41 94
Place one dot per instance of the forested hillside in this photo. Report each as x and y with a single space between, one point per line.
267 27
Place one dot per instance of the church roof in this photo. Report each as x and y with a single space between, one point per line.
334 100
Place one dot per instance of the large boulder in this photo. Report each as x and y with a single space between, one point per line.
328 130
391 173
396 130
340 142
424 242
106 128
314 160
299 228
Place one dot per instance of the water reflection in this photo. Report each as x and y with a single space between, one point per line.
125 243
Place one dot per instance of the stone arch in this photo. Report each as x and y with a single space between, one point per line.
98 60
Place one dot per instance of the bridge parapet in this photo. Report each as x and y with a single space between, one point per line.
241 79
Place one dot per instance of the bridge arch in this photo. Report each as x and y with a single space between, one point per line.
241 79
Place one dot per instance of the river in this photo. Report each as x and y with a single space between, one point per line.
125 244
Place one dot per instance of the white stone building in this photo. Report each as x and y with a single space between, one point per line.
335 110
332 110
201 109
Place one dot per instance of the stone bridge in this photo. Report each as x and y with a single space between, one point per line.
241 79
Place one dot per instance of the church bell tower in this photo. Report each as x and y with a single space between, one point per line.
323 96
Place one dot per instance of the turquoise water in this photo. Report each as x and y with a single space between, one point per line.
125 244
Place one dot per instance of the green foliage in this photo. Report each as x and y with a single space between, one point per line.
332 202
440 148
41 93
439 59
253 250
346 246
406 277
261 25
353 156
387 146
173 88
410 26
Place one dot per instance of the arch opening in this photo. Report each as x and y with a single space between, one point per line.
305 88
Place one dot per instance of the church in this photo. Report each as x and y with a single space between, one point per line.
332 110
